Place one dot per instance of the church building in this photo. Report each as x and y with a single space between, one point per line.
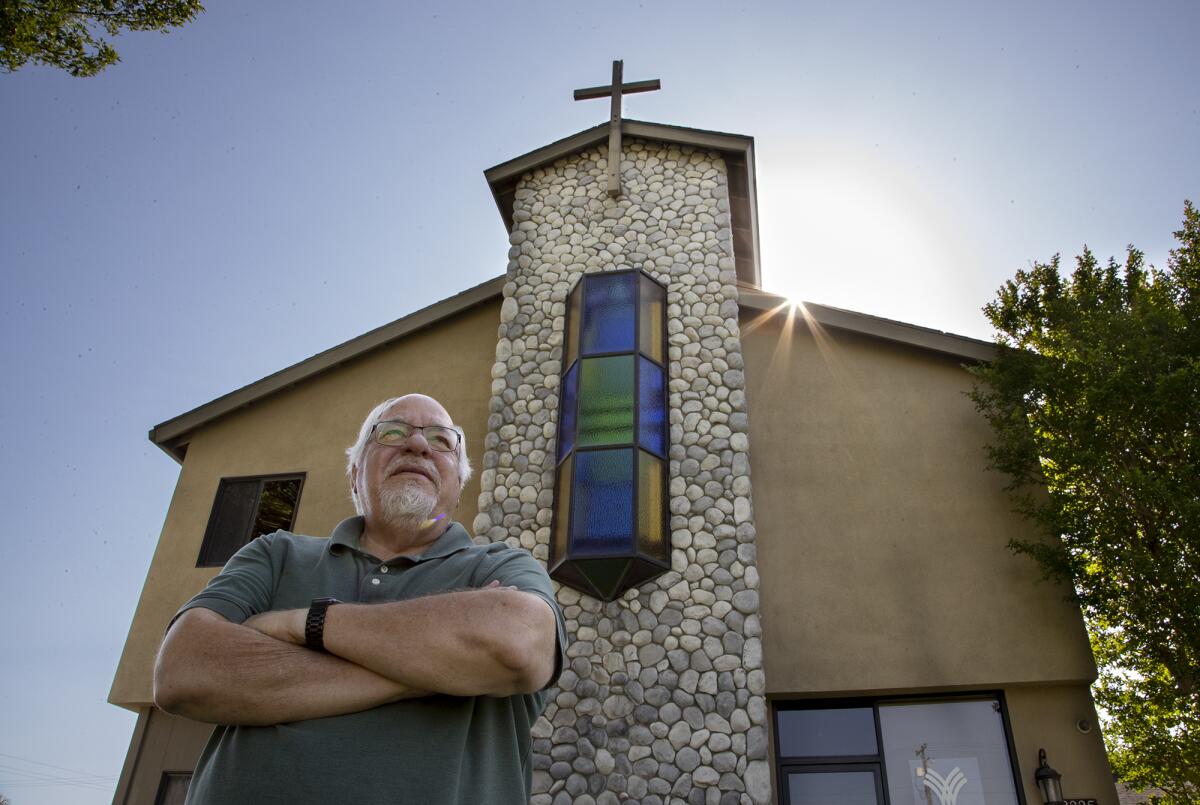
781 556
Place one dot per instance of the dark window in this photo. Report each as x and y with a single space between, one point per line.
843 785
245 508
954 751
833 732
173 788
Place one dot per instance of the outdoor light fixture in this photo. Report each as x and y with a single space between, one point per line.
1049 782
609 531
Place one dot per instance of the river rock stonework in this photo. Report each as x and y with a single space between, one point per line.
662 698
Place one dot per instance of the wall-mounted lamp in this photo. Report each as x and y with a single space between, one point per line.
1049 782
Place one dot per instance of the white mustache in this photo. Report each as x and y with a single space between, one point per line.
405 464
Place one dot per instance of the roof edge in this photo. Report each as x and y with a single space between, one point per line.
959 346
171 434
501 177
682 135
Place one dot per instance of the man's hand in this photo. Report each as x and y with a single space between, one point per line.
283 624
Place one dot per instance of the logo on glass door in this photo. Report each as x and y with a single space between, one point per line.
945 779
947 787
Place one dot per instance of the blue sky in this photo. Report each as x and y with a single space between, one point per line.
276 178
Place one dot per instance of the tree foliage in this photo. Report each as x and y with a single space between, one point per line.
69 33
1094 402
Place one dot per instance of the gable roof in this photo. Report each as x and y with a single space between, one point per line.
173 435
957 346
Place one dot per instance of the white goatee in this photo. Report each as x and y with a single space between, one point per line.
407 507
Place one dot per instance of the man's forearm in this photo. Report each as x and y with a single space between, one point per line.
211 670
494 641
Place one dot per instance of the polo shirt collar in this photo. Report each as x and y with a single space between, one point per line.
348 533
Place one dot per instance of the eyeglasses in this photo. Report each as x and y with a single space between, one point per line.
392 432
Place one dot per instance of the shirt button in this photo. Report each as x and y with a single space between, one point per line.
383 569
374 581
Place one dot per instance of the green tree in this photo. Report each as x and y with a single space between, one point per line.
1094 403
69 33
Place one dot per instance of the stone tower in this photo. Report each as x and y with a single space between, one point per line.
662 699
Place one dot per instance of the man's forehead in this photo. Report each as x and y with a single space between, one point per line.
417 409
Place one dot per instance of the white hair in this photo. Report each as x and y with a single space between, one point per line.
355 452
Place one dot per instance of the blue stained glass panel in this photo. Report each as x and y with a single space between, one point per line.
608 313
567 411
602 522
652 407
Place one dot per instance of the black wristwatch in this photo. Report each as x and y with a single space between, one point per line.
314 624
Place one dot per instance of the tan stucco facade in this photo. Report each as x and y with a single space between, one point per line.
881 535
882 544
305 429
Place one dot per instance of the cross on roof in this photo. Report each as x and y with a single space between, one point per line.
616 89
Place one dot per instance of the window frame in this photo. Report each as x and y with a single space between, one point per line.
164 783
783 763
876 769
207 545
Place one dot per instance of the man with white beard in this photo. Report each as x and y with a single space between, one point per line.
396 661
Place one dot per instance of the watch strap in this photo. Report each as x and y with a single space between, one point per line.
314 624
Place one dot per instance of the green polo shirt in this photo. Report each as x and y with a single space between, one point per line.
431 750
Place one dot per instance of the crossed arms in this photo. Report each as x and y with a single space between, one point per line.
495 641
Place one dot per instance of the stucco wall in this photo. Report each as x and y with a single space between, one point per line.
1045 717
305 429
881 537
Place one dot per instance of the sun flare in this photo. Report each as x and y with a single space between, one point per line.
844 230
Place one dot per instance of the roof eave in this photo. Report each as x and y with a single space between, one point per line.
172 436
958 346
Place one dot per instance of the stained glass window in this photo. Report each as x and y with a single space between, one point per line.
650 505
566 421
651 308
606 401
608 313
603 521
609 527
652 409
574 314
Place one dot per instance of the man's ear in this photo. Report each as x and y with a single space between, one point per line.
354 482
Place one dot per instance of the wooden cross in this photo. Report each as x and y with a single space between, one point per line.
616 89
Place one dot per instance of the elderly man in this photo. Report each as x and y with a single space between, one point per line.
396 661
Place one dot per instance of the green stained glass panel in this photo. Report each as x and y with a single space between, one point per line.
606 397
650 506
